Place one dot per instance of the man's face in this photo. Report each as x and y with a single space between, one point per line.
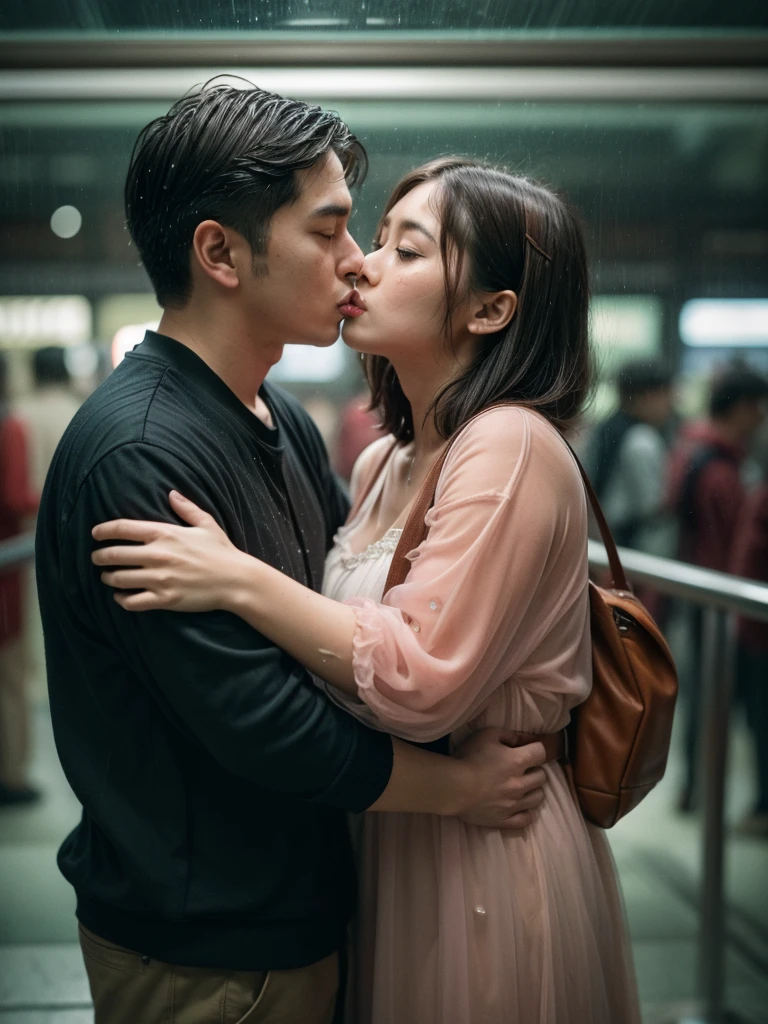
311 261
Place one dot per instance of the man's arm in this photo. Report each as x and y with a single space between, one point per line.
249 703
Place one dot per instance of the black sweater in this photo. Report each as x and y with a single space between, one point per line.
212 772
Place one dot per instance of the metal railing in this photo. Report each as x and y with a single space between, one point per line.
723 598
16 551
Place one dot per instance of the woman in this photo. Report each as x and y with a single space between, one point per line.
475 295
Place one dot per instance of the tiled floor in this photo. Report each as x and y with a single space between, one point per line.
42 979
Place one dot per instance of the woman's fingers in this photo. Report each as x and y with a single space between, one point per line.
131 579
144 602
127 529
190 512
141 555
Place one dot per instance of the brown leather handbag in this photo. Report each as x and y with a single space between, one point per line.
616 745
619 737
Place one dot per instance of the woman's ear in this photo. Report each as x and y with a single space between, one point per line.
492 311
212 247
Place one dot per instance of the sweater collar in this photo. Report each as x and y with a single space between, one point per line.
188 364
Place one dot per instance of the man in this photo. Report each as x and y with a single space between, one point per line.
48 410
627 458
18 501
212 867
707 494
46 413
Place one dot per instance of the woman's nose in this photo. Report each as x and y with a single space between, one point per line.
369 270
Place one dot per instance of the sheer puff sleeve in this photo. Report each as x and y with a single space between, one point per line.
497 588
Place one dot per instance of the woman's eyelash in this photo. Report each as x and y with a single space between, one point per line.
406 255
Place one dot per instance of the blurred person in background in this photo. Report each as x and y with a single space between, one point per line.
750 559
18 500
707 495
359 427
627 459
46 412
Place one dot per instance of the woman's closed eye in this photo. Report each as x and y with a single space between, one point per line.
406 255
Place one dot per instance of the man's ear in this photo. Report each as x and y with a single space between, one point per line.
214 249
491 311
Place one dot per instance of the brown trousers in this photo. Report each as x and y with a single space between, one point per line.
128 988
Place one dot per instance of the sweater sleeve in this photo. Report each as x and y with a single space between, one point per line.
502 567
246 701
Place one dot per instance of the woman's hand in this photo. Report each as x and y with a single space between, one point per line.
185 568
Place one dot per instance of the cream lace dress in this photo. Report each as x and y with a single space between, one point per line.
459 924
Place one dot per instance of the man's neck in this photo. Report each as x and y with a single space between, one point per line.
228 349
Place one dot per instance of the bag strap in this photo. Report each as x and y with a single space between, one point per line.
618 576
415 529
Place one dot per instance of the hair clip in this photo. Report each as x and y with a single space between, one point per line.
538 248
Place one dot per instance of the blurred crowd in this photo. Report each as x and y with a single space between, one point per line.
694 490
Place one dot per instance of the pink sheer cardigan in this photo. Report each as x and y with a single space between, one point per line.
497 592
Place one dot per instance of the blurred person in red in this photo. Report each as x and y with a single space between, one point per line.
17 501
708 495
45 414
750 559
359 428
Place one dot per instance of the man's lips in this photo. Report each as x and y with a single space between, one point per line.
352 305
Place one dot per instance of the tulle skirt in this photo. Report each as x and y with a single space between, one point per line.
464 925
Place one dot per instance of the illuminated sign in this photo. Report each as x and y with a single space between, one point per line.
34 321
725 323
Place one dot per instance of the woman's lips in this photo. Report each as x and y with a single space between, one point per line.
352 306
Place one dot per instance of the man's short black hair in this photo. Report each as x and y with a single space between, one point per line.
639 377
736 385
49 366
226 154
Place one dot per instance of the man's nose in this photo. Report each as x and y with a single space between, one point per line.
353 260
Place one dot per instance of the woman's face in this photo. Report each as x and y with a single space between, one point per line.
401 286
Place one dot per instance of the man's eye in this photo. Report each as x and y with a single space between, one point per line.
407 255
323 235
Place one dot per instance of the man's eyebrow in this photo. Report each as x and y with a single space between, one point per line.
411 225
332 210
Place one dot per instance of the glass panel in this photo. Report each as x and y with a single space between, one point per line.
371 16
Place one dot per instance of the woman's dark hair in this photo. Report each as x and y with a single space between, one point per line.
501 231
226 154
